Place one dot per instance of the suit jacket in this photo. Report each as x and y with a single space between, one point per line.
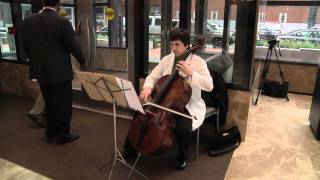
48 39
201 80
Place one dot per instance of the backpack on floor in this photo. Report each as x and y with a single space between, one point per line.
225 141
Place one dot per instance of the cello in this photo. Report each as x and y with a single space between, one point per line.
152 133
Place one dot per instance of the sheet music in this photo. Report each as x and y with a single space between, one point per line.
103 87
130 95
109 84
87 82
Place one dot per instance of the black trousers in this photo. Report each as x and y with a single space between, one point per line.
58 100
183 135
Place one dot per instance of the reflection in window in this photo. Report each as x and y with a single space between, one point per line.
110 24
100 1
214 15
26 10
232 29
213 31
7 41
262 17
68 12
67 1
283 17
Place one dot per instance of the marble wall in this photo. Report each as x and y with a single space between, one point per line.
14 79
112 59
301 77
239 102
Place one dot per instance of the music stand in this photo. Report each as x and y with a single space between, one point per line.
119 92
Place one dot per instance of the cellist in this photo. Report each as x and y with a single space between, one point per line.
195 72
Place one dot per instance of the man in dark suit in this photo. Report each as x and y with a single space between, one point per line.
48 40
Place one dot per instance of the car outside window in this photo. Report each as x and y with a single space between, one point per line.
157 22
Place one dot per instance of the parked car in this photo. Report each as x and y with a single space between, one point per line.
311 35
102 33
3 32
155 25
214 35
213 32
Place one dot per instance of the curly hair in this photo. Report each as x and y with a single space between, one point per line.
180 34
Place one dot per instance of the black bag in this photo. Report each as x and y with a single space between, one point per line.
226 141
218 97
219 62
275 89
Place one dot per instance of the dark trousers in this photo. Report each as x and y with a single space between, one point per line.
183 135
58 101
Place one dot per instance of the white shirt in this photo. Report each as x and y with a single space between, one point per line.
201 80
47 7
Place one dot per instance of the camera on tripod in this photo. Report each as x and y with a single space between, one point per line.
268 87
273 42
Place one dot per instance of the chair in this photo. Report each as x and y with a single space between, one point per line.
210 111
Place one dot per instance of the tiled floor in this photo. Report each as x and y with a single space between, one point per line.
279 145
279 142
10 170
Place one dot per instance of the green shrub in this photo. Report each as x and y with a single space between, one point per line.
262 43
298 44
156 43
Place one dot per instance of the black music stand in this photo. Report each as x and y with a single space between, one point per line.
119 92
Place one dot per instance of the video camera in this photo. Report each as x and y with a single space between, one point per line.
273 42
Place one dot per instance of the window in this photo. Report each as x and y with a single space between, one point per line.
262 16
297 29
7 31
213 31
150 21
232 29
155 10
177 14
26 10
110 23
283 17
67 11
214 15
157 22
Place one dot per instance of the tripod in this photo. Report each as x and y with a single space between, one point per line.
272 47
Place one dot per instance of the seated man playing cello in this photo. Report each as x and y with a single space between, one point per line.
194 71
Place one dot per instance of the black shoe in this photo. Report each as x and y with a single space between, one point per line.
181 161
38 119
181 164
50 140
67 139
126 154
